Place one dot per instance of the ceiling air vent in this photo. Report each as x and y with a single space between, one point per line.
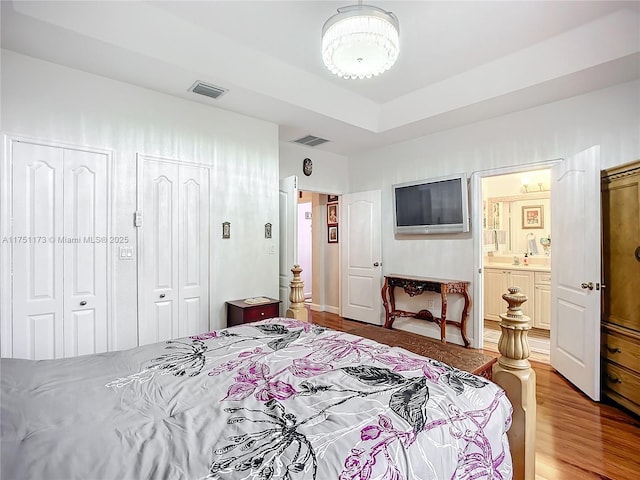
207 89
310 141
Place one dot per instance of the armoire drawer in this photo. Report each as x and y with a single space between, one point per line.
621 350
622 381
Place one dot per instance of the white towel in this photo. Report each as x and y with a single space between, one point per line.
533 248
494 238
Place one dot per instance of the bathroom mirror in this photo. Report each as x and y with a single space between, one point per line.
518 224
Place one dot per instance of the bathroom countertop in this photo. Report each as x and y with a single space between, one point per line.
510 266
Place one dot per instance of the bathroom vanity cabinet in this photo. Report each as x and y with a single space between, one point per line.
542 300
534 282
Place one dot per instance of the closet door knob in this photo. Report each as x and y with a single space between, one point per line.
162 295
83 303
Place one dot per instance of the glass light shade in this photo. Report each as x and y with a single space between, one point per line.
360 41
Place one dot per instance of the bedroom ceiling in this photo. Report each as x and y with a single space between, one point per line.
460 62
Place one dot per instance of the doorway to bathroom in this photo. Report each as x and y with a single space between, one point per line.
516 248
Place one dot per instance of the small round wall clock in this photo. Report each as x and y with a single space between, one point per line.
307 166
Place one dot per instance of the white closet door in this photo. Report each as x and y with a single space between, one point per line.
193 240
59 254
175 251
37 256
159 252
85 253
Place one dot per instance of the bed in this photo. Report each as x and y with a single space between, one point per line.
275 399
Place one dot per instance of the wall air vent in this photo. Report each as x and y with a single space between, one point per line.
207 89
310 141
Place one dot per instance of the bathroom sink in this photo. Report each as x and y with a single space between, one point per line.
544 268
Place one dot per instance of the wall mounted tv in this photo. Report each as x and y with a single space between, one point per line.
432 206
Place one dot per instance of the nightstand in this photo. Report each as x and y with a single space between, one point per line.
239 311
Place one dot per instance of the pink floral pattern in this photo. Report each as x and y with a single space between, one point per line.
256 380
297 395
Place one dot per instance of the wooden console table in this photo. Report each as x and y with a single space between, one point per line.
416 286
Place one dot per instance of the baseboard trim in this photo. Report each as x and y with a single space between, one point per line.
324 308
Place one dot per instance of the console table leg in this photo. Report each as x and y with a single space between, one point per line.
465 315
388 320
443 316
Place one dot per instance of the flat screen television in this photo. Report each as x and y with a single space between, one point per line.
432 206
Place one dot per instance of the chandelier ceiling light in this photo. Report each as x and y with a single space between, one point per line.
360 41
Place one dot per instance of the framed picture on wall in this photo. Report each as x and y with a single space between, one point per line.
533 217
332 198
332 232
332 214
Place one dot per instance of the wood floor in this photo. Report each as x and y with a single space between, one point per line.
577 439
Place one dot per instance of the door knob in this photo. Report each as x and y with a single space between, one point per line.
377 264
162 295
83 303
587 285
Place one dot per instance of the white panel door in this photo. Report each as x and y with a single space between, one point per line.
288 204
174 250
59 270
37 258
575 270
361 256
85 253
194 245
159 253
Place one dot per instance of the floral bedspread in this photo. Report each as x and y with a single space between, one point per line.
276 399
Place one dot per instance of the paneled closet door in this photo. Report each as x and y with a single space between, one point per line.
174 283
85 256
37 258
59 281
160 261
194 247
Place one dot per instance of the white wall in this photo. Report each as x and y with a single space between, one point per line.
330 170
50 102
609 117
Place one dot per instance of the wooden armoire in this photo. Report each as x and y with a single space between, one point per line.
621 285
